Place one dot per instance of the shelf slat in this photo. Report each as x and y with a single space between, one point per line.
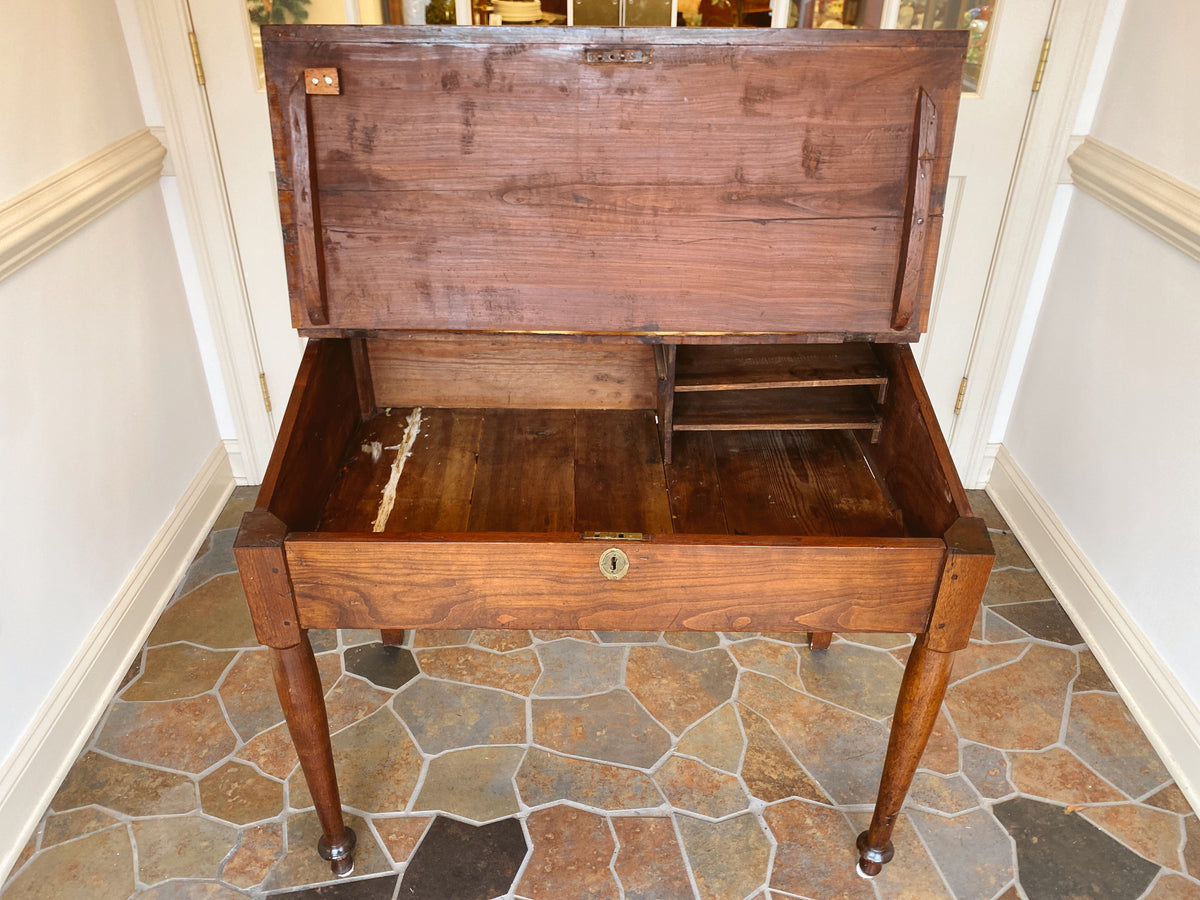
788 409
741 367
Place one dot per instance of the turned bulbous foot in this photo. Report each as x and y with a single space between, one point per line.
870 860
340 855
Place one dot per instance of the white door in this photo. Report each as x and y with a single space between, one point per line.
991 121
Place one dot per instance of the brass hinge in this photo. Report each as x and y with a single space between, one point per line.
1041 69
262 380
962 392
196 57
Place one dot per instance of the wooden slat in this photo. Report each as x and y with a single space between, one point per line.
619 483
479 371
518 581
317 427
693 486
524 478
918 224
750 366
791 408
308 288
857 506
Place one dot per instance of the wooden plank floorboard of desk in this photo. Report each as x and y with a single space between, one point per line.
697 506
856 503
435 487
525 478
619 481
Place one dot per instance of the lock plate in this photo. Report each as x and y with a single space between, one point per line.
614 563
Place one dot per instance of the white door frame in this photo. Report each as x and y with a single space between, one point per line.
1074 33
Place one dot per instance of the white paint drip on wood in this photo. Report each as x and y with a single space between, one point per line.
375 448
403 452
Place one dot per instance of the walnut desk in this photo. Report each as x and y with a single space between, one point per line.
608 329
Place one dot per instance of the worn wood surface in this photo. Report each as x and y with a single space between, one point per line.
362 377
702 192
917 219
616 489
321 416
513 371
753 366
258 550
969 557
809 408
523 581
694 487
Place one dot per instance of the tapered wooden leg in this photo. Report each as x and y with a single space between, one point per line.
819 640
392 637
921 693
299 686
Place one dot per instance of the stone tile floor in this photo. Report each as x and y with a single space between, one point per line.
556 766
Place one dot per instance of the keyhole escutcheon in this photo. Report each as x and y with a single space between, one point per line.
614 563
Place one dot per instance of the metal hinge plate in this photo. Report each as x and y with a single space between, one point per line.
597 56
1041 68
962 392
196 58
262 380
613 536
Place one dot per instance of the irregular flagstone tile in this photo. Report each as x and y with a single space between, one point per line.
238 794
381 887
124 787
190 890
301 864
1152 833
987 769
1015 586
1104 735
501 640
381 664
377 766
984 508
977 625
352 637
181 847
941 753
1009 553
977 657
248 692
466 862
771 772
1092 676
1064 855
258 849
692 640
1058 775
435 637
177 671
716 739
649 862
1170 798
1018 706
475 784
213 615
445 716
134 670
997 629
1191 850
272 751
98 867
216 559
860 679
67 826
911 875
572 852
729 858
546 636
352 700
798 638
1044 619
815 851
573 668
547 777
401 834
973 852
628 637
842 750
769 658
323 640
240 502
694 787
881 641
608 727
951 795
680 687
188 735
1174 887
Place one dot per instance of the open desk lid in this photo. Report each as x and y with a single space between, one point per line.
627 181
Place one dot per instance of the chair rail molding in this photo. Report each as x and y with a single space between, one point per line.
52 210
1163 205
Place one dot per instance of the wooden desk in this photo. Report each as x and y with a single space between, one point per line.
510 250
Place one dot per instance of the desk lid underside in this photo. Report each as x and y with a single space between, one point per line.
495 180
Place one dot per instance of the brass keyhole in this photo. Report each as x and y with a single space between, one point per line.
614 563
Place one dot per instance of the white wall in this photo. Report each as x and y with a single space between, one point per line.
105 418
1106 421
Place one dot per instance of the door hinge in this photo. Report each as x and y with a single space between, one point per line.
1041 69
962 392
196 57
262 380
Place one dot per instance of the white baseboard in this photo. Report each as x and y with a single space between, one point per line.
44 754
237 461
1164 710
